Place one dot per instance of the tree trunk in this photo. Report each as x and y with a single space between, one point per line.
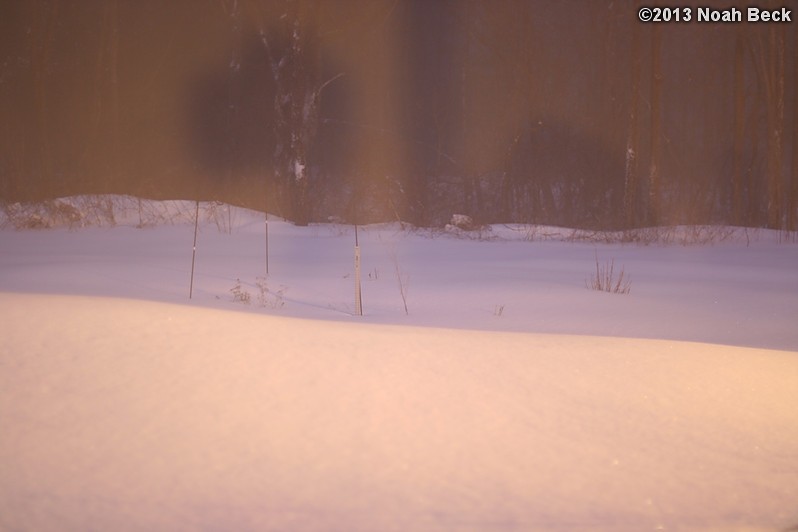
738 216
42 38
630 194
295 70
654 184
792 208
775 122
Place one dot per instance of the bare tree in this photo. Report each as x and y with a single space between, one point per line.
792 208
775 112
104 122
294 53
42 37
632 141
654 177
739 127
769 60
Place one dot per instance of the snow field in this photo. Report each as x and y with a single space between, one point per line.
134 415
124 406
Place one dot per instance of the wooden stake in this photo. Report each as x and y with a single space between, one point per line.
194 252
358 293
267 243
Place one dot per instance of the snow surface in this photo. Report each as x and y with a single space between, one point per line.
509 398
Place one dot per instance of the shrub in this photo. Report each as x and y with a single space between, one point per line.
605 279
269 298
239 294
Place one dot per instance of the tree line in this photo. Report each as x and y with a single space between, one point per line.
566 113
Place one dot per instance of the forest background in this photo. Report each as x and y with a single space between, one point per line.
564 113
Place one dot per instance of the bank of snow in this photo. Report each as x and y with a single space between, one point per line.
510 397
134 415
741 290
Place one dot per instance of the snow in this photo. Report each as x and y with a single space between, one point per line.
126 406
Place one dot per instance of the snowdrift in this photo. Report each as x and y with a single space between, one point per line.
133 415
509 397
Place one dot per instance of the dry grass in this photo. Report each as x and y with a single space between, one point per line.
606 279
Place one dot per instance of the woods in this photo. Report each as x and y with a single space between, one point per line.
572 114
